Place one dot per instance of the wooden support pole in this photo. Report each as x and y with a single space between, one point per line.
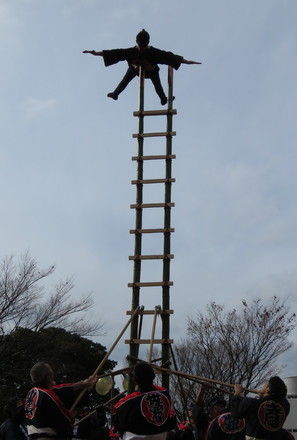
98 406
182 391
209 384
116 372
105 357
157 308
201 379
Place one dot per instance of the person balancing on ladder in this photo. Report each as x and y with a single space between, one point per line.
141 55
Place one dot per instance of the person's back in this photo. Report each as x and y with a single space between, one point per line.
226 427
264 416
46 415
146 412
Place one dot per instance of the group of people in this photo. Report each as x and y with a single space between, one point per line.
146 414
245 418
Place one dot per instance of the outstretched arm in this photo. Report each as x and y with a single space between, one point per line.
184 61
93 52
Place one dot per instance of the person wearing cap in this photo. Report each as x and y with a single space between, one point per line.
146 413
204 414
264 416
141 55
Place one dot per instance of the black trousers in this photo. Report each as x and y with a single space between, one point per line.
152 74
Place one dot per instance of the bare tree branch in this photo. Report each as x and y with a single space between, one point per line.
24 302
238 345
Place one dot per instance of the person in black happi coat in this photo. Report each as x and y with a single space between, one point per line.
266 415
146 413
46 405
141 55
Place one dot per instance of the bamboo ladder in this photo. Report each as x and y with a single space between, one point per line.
138 258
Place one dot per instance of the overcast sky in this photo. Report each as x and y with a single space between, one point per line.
66 150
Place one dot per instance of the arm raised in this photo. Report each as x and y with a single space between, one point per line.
93 52
184 61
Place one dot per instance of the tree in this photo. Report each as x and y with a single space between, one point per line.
237 346
22 303
72 357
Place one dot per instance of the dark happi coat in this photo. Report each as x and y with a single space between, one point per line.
226 427
264 417
144 413
150 57
46 414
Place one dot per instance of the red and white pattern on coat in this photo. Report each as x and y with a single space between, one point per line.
271 415
31 401
155 407
229 424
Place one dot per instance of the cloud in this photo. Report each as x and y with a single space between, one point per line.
33 107
9 25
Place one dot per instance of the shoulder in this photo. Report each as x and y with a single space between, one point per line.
158 388
127 398
154 49
62 386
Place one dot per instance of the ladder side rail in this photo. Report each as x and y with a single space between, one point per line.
167 237
134 349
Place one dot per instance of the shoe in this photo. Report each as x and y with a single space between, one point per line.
112 95
165 100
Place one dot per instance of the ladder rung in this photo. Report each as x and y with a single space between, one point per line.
143 182
151 231
160 156
160 133
152 257
148 341
151 284
152 312
152 205
155 112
